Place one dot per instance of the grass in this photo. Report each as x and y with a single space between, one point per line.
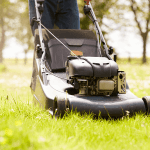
24 126
138 78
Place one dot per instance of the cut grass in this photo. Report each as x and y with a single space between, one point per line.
24 126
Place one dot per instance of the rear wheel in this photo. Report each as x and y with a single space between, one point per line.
146 100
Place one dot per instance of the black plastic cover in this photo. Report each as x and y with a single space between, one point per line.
98 67
59 53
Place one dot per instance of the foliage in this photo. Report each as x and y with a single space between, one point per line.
23 33
2 68
15 23
141 13
135 13
7 23
102 10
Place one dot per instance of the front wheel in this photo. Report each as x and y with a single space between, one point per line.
59 107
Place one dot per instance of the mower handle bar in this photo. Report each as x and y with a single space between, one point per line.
98 31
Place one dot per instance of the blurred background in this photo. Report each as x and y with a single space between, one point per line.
125 25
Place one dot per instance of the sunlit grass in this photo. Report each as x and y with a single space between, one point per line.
24 126
138 78
16 77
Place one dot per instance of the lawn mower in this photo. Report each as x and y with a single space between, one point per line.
73 71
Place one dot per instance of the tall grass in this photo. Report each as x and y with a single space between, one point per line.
24 126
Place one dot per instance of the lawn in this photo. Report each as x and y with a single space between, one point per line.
24 126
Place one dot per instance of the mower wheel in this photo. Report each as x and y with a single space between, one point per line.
59 107
146 100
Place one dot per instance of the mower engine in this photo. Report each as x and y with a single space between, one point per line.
95 76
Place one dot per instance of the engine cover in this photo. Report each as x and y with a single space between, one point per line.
91 67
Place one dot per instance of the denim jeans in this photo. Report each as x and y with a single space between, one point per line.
63 13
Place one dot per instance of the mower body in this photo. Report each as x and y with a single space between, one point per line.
89 83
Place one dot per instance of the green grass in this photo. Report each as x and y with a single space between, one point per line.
138 78
24 126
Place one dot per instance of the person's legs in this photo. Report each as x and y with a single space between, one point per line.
64 13
48 16
68 15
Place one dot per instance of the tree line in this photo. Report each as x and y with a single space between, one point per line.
14 20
